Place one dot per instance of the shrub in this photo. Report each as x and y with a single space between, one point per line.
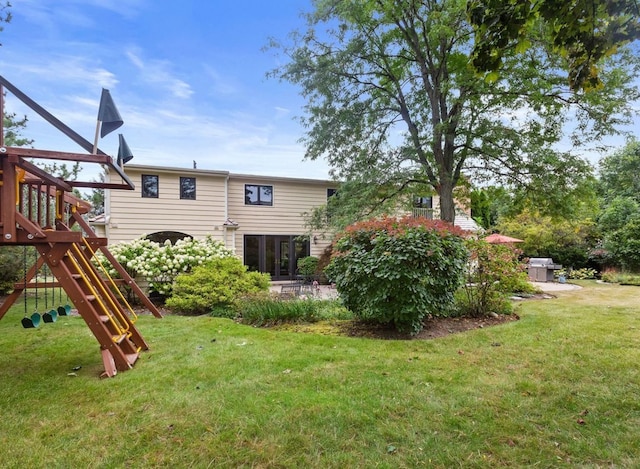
493 272
159 264
268 310
308 266
12 262
397 272
577 274
217 284
614 276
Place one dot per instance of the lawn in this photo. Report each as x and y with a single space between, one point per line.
558 388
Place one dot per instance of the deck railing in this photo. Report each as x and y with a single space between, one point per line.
422 212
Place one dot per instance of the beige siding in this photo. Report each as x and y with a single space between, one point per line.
132 215
219 196
291 198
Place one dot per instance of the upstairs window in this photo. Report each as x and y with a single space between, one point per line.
258 195
188 188
423 202
150 185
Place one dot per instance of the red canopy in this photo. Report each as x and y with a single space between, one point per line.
497 238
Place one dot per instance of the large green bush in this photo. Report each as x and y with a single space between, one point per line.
398 271
217 284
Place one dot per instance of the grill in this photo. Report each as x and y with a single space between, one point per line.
541 269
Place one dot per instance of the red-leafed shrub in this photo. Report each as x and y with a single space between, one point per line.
494 273
398 271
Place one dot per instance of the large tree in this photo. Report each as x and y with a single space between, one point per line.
393 101
583 32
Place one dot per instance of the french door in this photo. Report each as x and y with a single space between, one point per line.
276 255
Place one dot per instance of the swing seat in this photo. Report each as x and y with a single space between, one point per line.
64 310
29 322
50 316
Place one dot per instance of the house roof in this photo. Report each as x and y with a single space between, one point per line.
467 223
255 177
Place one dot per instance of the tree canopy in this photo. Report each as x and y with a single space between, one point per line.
620 173
583 32
393 102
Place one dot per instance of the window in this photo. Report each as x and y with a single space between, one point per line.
150 185
258 195
331 193
161 236
188 188
423 202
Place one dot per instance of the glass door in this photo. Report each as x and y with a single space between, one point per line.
276 255
283 264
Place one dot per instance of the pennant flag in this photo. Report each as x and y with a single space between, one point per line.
124 152
108 114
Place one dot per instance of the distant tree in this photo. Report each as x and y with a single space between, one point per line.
488 204
61 170
620 226
12 126
393 103
583 32
13 129
96 197
5 14
620 173
568 242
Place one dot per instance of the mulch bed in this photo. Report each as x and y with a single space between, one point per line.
433 327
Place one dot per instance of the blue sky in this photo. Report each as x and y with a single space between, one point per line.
188 78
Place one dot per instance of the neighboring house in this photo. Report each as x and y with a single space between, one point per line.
259 217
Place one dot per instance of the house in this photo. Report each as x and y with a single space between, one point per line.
259 217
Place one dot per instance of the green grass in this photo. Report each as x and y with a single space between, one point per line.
213 393
271 310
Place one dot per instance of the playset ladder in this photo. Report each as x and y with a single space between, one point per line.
97 303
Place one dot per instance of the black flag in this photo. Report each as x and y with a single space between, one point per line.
108 114
124 152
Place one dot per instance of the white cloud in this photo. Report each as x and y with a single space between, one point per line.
220 84
157 72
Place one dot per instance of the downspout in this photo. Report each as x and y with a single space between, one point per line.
226 210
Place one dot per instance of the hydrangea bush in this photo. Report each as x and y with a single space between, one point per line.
398 271
159 264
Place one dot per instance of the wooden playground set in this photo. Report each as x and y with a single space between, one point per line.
40 210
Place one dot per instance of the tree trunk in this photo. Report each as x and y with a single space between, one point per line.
447 204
